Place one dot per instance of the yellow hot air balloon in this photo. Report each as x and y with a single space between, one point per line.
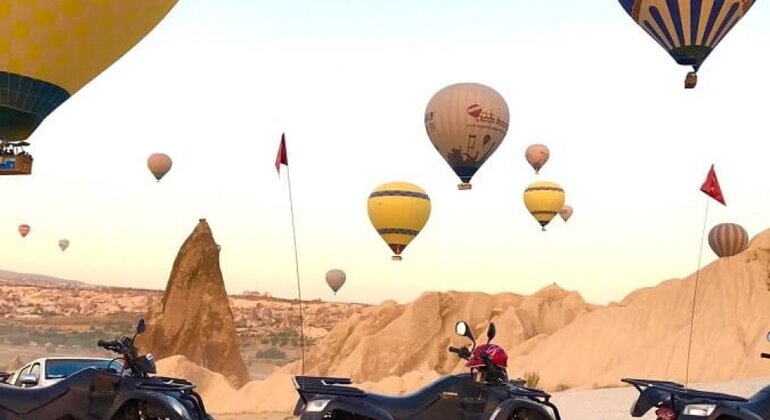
544 200
466 122
399 211
49 49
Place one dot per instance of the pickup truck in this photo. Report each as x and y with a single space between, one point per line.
49 370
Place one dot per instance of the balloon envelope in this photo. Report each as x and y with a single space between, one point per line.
688 29
544 200
399 211
335 278
24 230
537 155
159 164
728 239
466 122
566 212
49 49
64 244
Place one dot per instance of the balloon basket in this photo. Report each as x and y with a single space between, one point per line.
16 165
396 258
691 80
464 186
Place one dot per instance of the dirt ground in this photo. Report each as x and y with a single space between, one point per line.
597 404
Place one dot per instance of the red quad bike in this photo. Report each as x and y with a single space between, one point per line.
483 394
673 401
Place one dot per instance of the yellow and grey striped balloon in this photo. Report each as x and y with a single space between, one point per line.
544 200
728 239
399 211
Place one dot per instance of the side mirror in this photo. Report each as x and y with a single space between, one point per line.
462 329
491 331
29 379
140 327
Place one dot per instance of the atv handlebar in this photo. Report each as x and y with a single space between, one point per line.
463 352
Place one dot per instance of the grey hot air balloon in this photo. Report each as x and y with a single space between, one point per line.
64 244
728 239
466 122
335 278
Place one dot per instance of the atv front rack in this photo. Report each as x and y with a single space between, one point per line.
327 385
680 390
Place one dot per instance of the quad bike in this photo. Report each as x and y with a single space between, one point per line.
126 392
485 393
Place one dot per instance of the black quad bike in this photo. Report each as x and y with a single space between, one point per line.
452 397
125 393
673 401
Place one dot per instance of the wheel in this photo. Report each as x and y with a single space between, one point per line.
527 414
141 410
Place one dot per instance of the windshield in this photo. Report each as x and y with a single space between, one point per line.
62 368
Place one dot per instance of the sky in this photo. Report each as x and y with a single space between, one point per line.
216 83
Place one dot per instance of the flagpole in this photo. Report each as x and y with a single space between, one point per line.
695 291
296 267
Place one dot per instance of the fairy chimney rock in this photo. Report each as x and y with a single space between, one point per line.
194 318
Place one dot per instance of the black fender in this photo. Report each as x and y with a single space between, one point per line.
350 405
730 412
175 408
508 407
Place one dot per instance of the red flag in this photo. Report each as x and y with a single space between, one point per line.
711 186
282 157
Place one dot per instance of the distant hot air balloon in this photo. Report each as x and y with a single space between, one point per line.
159 164
537 155
335 278
398 210
728 239
50 49
466 122
64 244
688 29
24 230
566 212
544 200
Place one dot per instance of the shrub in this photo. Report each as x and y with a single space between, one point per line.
532 378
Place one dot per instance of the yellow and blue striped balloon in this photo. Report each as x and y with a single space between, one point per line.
688 29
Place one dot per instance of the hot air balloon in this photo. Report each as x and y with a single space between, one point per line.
24 230
688 29
64 244
335 278
159 164
544 200
537 155
466 123
51 48
566 213
398 210
728 239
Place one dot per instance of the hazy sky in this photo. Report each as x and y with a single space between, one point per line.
216 83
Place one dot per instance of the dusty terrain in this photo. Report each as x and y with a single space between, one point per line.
71 318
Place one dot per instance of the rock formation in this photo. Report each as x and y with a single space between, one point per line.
393 339
194 318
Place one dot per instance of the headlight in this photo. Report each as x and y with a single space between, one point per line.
700 410
315 406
